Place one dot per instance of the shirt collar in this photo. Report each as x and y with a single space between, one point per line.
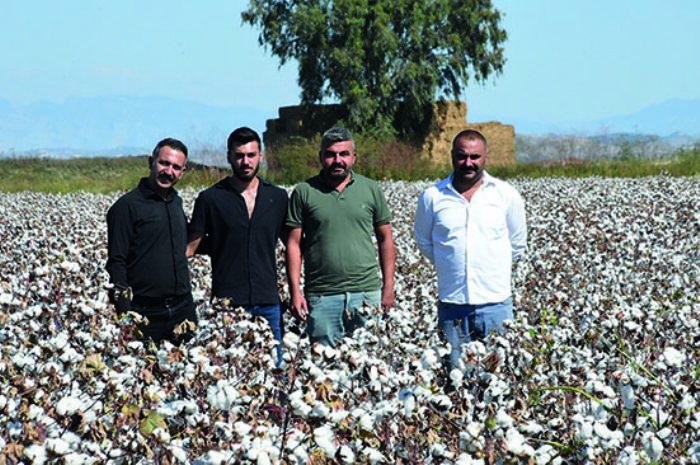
447 183
323 181
147 192
227 184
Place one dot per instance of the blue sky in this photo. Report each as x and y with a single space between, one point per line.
567 60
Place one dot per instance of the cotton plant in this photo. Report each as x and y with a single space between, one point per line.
597 366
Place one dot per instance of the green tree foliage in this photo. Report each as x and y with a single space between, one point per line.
386 61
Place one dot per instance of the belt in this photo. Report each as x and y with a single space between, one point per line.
157 301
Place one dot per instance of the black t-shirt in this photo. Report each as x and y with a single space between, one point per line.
242 249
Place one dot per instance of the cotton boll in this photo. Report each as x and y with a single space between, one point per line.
179 453
429 359
477 348
409 402
664 433
290 341
346 455
330 354
222 396
57 446
440 451
320 411
585 431
694 452
373 455
68 406
456 377
441 402
160 434
242 429
324 437
299 407
336 416
546 455
421 393
36 453
366 421
653 447
673 357
532 428
503 420
687 402
628 396
216 457
517 444
35 412
301 455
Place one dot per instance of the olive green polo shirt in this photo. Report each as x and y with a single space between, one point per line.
337 230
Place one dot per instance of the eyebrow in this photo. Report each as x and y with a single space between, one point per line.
472 156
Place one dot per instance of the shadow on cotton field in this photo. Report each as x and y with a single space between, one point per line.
599 366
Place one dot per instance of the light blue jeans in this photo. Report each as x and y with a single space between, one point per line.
332 317
465 323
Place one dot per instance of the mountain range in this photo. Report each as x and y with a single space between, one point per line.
121 125
672 118
130 125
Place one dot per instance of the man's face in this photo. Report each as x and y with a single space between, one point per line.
469 159
167 169
337 160
245 160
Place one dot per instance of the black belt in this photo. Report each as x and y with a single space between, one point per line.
157 302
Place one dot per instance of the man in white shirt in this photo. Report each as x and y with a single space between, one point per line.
472 227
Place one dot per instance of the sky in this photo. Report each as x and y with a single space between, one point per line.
567 60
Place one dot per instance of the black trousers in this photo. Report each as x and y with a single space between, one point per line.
162 320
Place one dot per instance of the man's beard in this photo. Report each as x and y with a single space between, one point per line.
245 177
338 174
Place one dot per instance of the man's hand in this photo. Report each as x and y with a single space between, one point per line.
298 307
388 300
120 297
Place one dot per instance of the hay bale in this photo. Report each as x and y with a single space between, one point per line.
501 141
450 119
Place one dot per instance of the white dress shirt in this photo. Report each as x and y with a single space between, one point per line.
472 244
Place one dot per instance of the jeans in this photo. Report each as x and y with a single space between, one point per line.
331 317
273 315
462 323
162 320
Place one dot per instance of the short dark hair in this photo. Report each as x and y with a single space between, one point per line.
242 136
470 133
336 134
172 143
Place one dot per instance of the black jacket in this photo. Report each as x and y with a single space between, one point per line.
147 243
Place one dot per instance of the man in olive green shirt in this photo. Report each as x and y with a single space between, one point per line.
332 217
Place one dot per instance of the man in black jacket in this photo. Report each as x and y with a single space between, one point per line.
147 245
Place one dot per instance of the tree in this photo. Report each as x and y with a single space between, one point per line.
386 61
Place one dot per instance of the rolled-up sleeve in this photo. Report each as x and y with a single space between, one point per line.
517 226
423 227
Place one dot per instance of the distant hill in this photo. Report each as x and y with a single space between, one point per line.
671 119
116 125
129 125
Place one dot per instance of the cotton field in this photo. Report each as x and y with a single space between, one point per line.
600 366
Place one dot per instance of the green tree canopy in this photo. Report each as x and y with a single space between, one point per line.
386 61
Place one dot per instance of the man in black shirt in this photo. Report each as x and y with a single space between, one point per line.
240 219
147 245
